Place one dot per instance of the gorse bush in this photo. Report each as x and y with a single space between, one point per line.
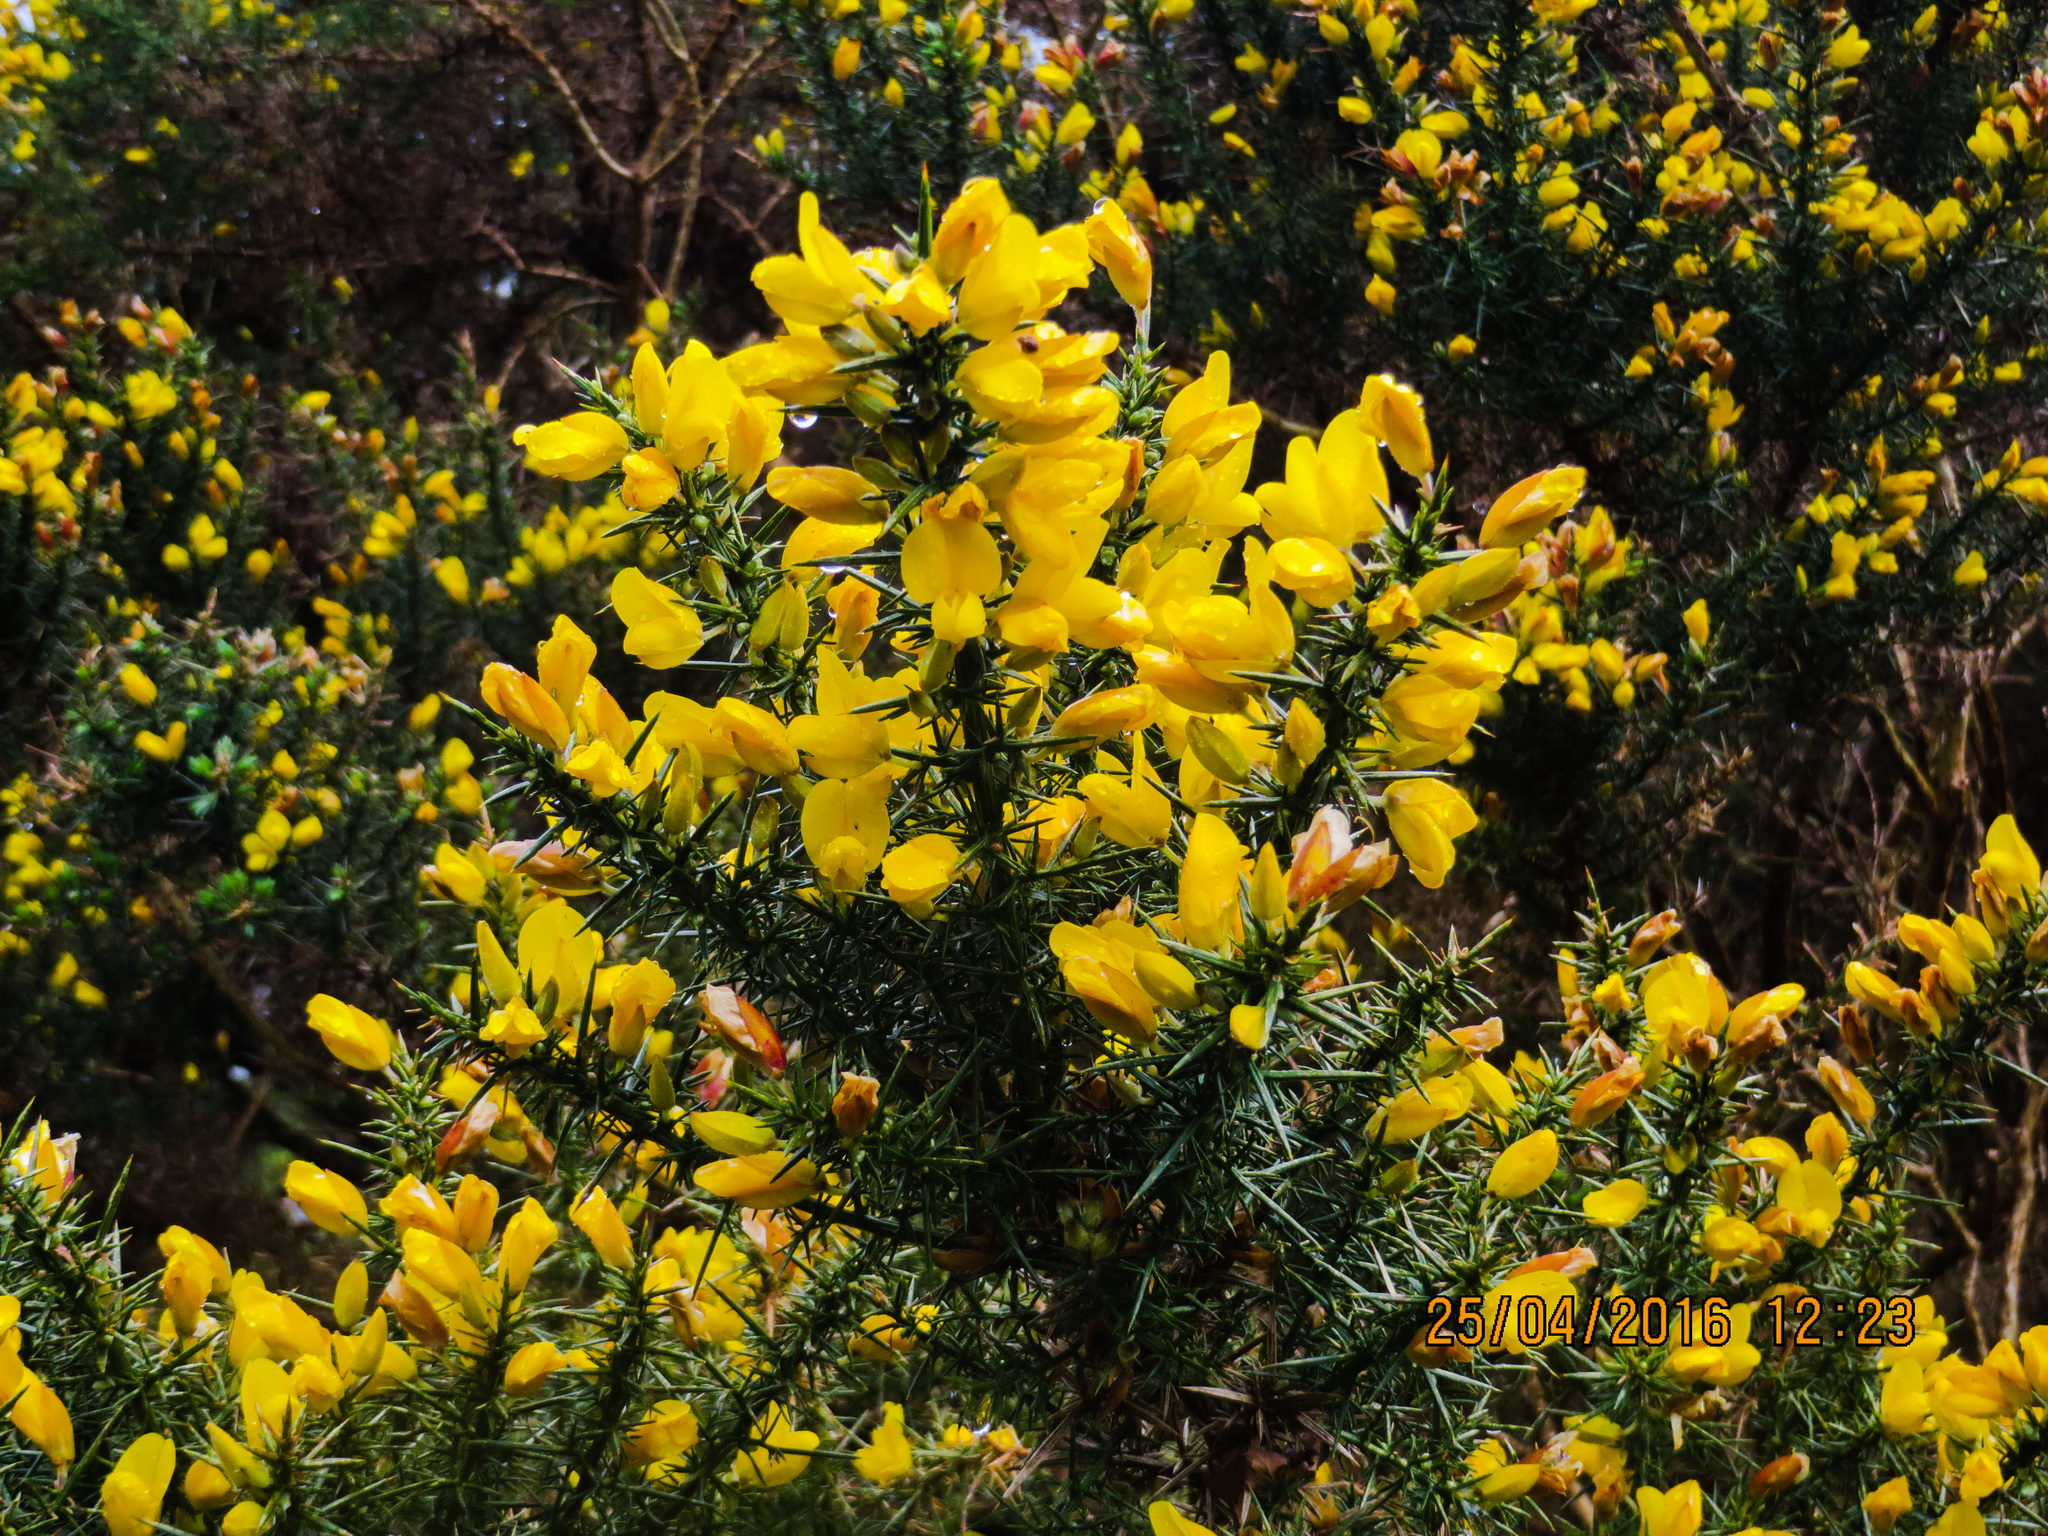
521 174
1771 274
929 1080
228 621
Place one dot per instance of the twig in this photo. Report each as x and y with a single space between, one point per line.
1971 1242
492 16
2029 1158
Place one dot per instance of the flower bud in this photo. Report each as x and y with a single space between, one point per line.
855 1104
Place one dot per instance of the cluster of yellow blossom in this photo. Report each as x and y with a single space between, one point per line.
1972 1410
462 545
1767 1194
268 720
1007 555
295 790
54 423
48 1163
457 1289
2007 884
29 66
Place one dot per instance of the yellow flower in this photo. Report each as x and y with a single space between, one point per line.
637 998
733 1133
1522 1166
48 1162
529 1234
758 738
330 1202
599 1220
1616 1204
920 300
1121 250
999 283
817 287
777 1454
1415 1112
523 701
882 1336
1133 811
1168 1521
132 1496
1425 815
1218 638
845 827
1499 1480
557 954
1100 717
845 58
1847 1090
916 871
137 685
578 447
1612 994
1328 502
460 877
149 395
1075 126
837 742
1971 573
1102 965
1605 1094
167 748
185 1283
764 1181
968 227
1478 586
1902 1402
2009 860
1809 1202
1209 911
599 765
1529 506
515 1029
354 1037
886 1457
43 1420
1886 1502
1670 1512
206 1487
529 1368
1393 413
951 561
650 479
1251 1026
666 1432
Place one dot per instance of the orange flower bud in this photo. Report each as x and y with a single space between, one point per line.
855 1104
743 1027
1606 1093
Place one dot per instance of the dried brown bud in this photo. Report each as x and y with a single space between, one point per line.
1856 1038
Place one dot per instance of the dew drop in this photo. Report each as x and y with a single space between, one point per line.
803 421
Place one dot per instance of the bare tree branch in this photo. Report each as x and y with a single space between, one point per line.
496 18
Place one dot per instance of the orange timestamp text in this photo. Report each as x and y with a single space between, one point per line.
1651 1322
